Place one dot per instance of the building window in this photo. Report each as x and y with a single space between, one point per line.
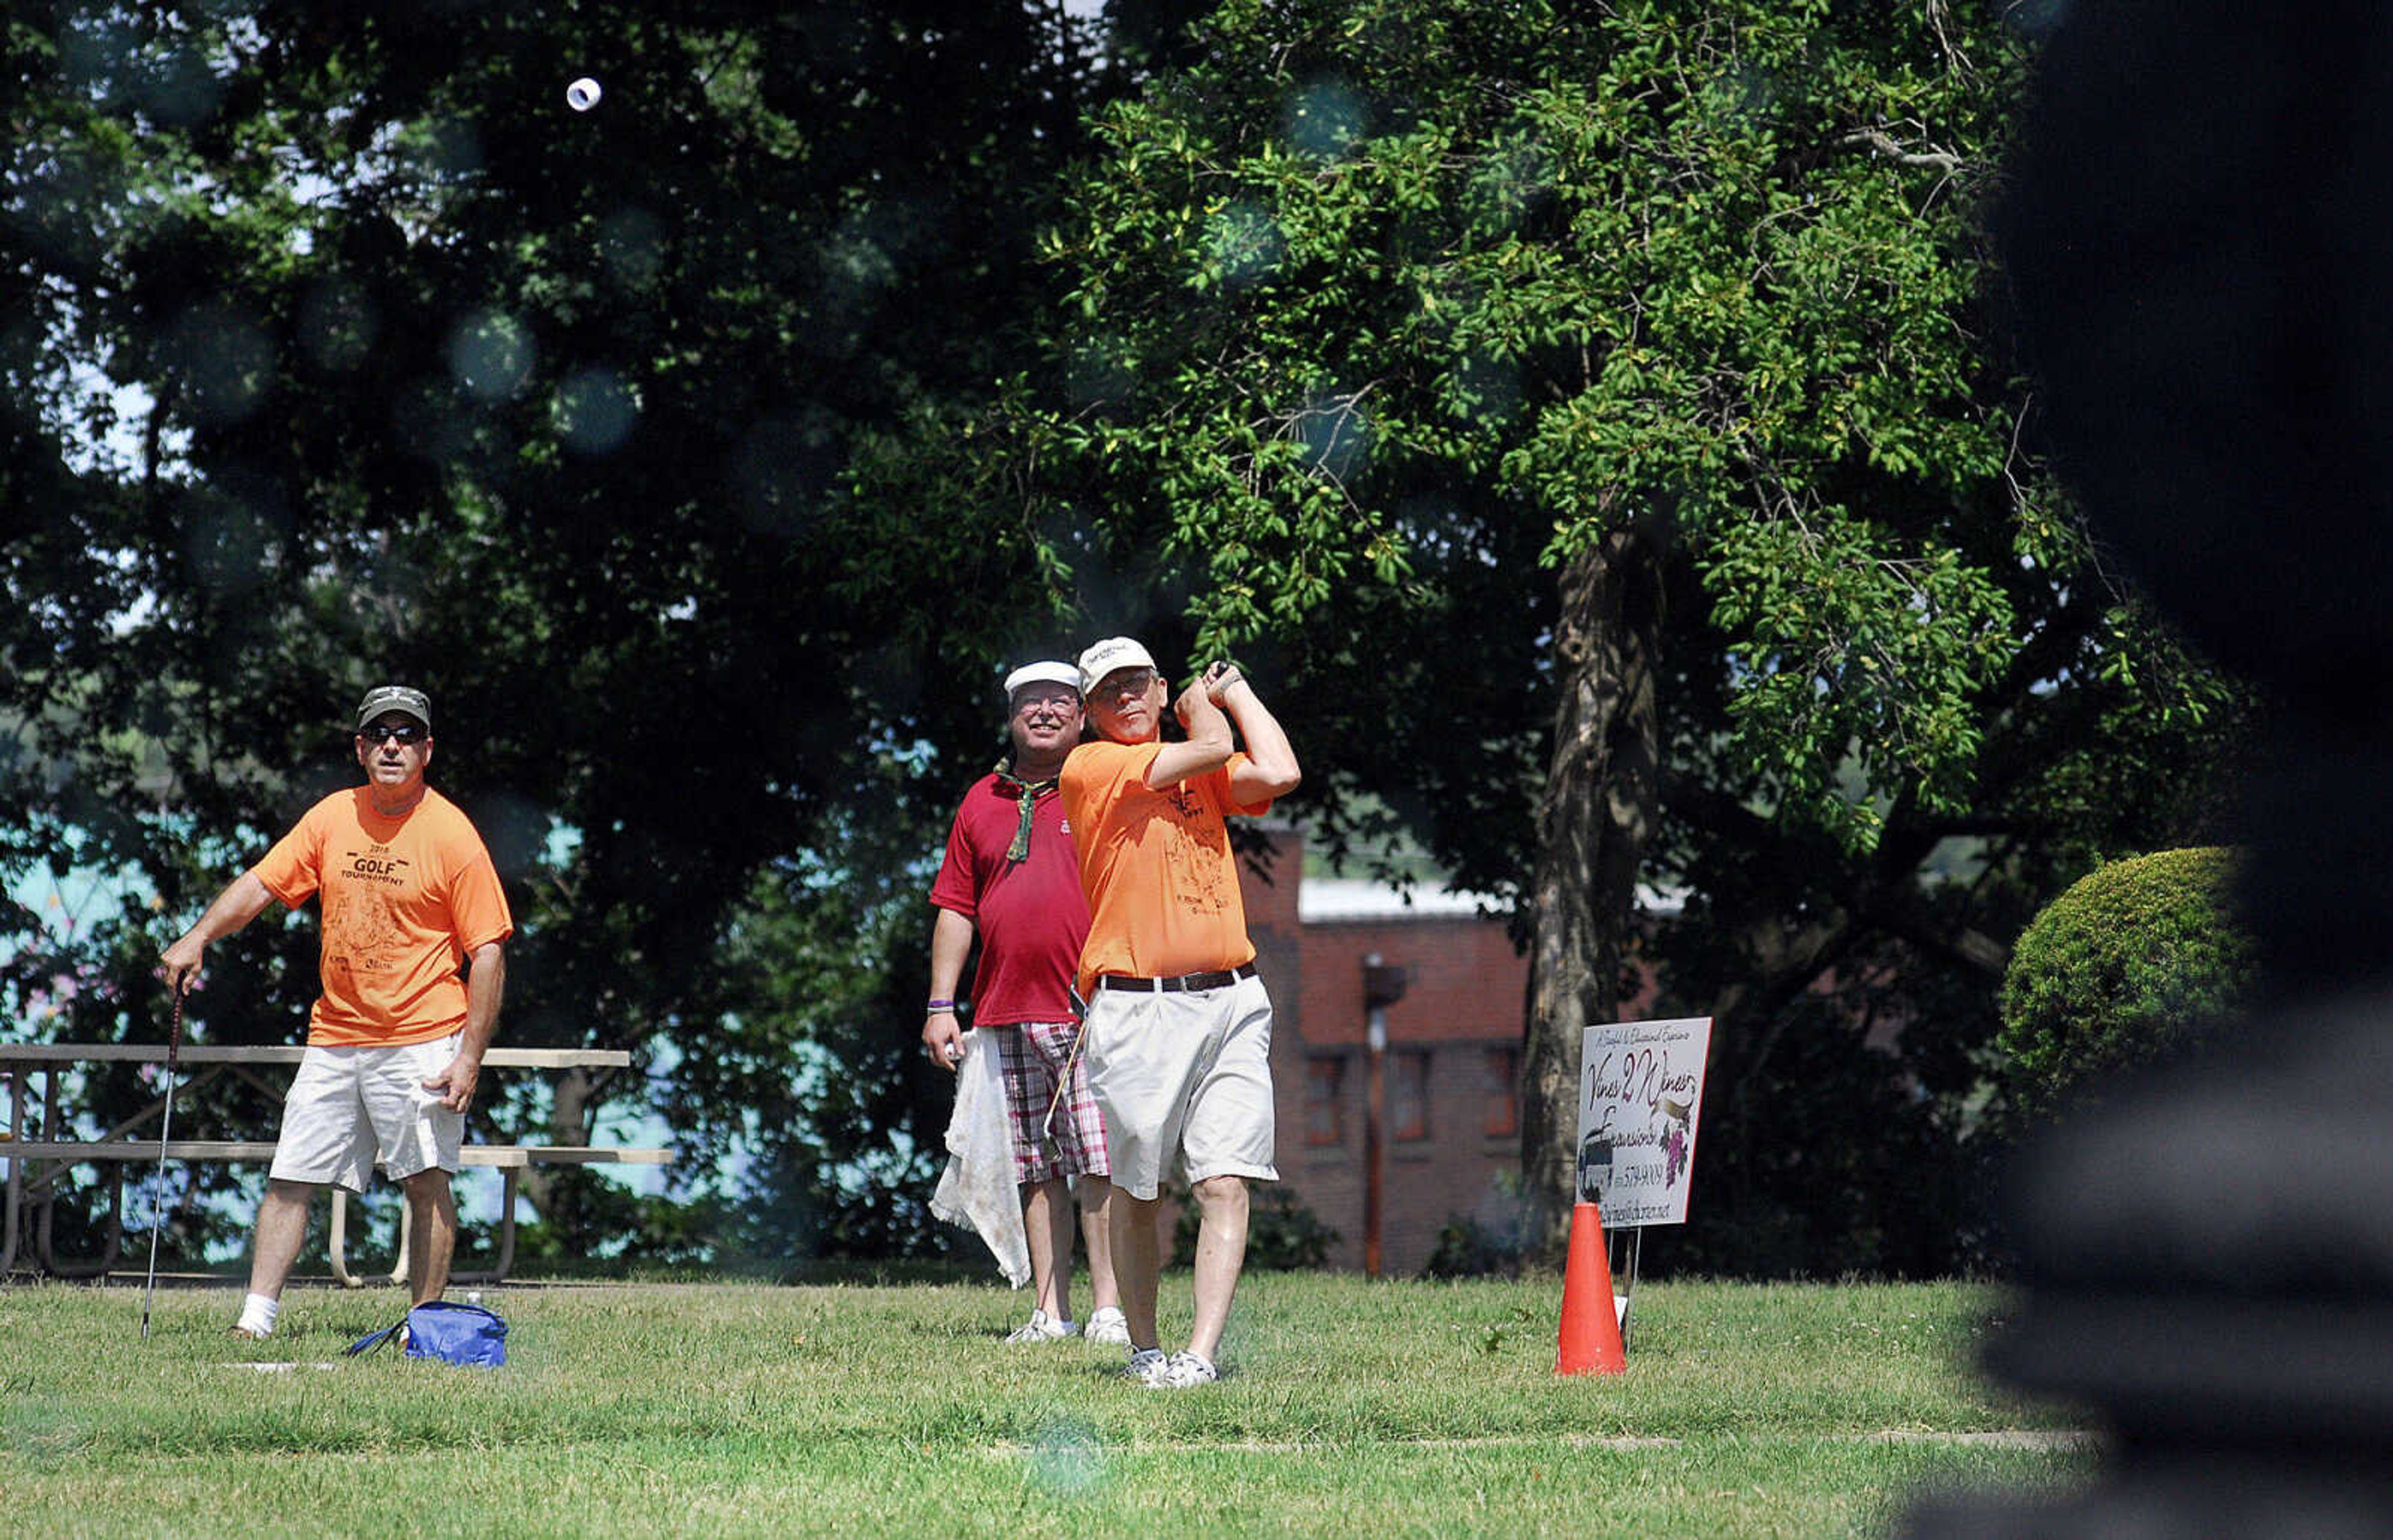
1408 1094
1503 1073
1325 1110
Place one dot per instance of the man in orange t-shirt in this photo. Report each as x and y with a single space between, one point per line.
394 1041
1178 1035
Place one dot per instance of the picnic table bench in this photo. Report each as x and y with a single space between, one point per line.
35 1164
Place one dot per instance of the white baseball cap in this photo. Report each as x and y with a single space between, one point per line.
1114 652
1047 671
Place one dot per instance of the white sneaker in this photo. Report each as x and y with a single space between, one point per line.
1107 1325
1183 1370
1146 1366
1042 1327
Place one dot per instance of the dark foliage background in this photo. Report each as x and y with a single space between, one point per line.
706 456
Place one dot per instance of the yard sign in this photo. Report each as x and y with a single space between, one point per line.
1641 1089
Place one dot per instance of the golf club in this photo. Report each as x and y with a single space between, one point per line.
1064 1081
165 1127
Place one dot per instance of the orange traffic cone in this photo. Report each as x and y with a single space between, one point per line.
1590 1334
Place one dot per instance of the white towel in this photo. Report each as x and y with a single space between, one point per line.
977 1191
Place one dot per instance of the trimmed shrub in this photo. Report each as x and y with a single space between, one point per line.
2139 959
1467 1249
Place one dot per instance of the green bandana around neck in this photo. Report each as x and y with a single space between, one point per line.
1027 792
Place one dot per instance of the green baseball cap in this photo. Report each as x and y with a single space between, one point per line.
385 700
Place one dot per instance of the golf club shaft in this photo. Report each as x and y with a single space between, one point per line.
1063 1082
158 1188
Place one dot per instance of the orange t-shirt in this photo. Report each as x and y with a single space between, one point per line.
405 900
1161 883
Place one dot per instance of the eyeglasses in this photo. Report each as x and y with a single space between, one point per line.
1126 682
1057 699
404 733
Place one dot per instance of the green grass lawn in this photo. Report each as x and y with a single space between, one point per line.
733 1409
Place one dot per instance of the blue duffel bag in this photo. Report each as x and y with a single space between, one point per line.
466 1334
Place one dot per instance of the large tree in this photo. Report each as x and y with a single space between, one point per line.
1596 410
340 350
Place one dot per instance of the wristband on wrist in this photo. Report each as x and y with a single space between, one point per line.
937 1006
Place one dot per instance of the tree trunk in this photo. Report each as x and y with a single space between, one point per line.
1601 798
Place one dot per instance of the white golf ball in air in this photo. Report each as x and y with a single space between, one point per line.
582 95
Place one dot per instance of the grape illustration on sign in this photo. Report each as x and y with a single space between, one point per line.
1641 1097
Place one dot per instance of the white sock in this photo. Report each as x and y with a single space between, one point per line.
258 1313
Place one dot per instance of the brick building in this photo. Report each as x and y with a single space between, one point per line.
1451 1067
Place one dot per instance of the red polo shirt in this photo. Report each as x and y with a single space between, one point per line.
1031 914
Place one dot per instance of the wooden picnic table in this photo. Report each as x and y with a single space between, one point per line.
36 1162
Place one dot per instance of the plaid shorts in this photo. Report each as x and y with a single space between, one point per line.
1032 1055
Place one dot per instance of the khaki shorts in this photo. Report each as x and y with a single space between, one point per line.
351 1108
1182 1081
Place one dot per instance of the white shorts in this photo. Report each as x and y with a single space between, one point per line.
1182 1081
352 1107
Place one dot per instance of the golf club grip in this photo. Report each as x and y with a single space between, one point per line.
175 1031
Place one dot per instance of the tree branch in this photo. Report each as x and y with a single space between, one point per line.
1878 141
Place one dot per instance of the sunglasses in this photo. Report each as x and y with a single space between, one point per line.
1126 682
402 733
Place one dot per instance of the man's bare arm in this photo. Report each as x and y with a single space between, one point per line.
486 986
1208 745
951 938
1270 770
239 903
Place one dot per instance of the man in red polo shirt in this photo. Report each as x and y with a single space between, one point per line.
1010 877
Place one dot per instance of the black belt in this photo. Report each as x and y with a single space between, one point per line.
1180 985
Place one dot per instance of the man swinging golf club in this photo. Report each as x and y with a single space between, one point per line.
395 1042
1178 1035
